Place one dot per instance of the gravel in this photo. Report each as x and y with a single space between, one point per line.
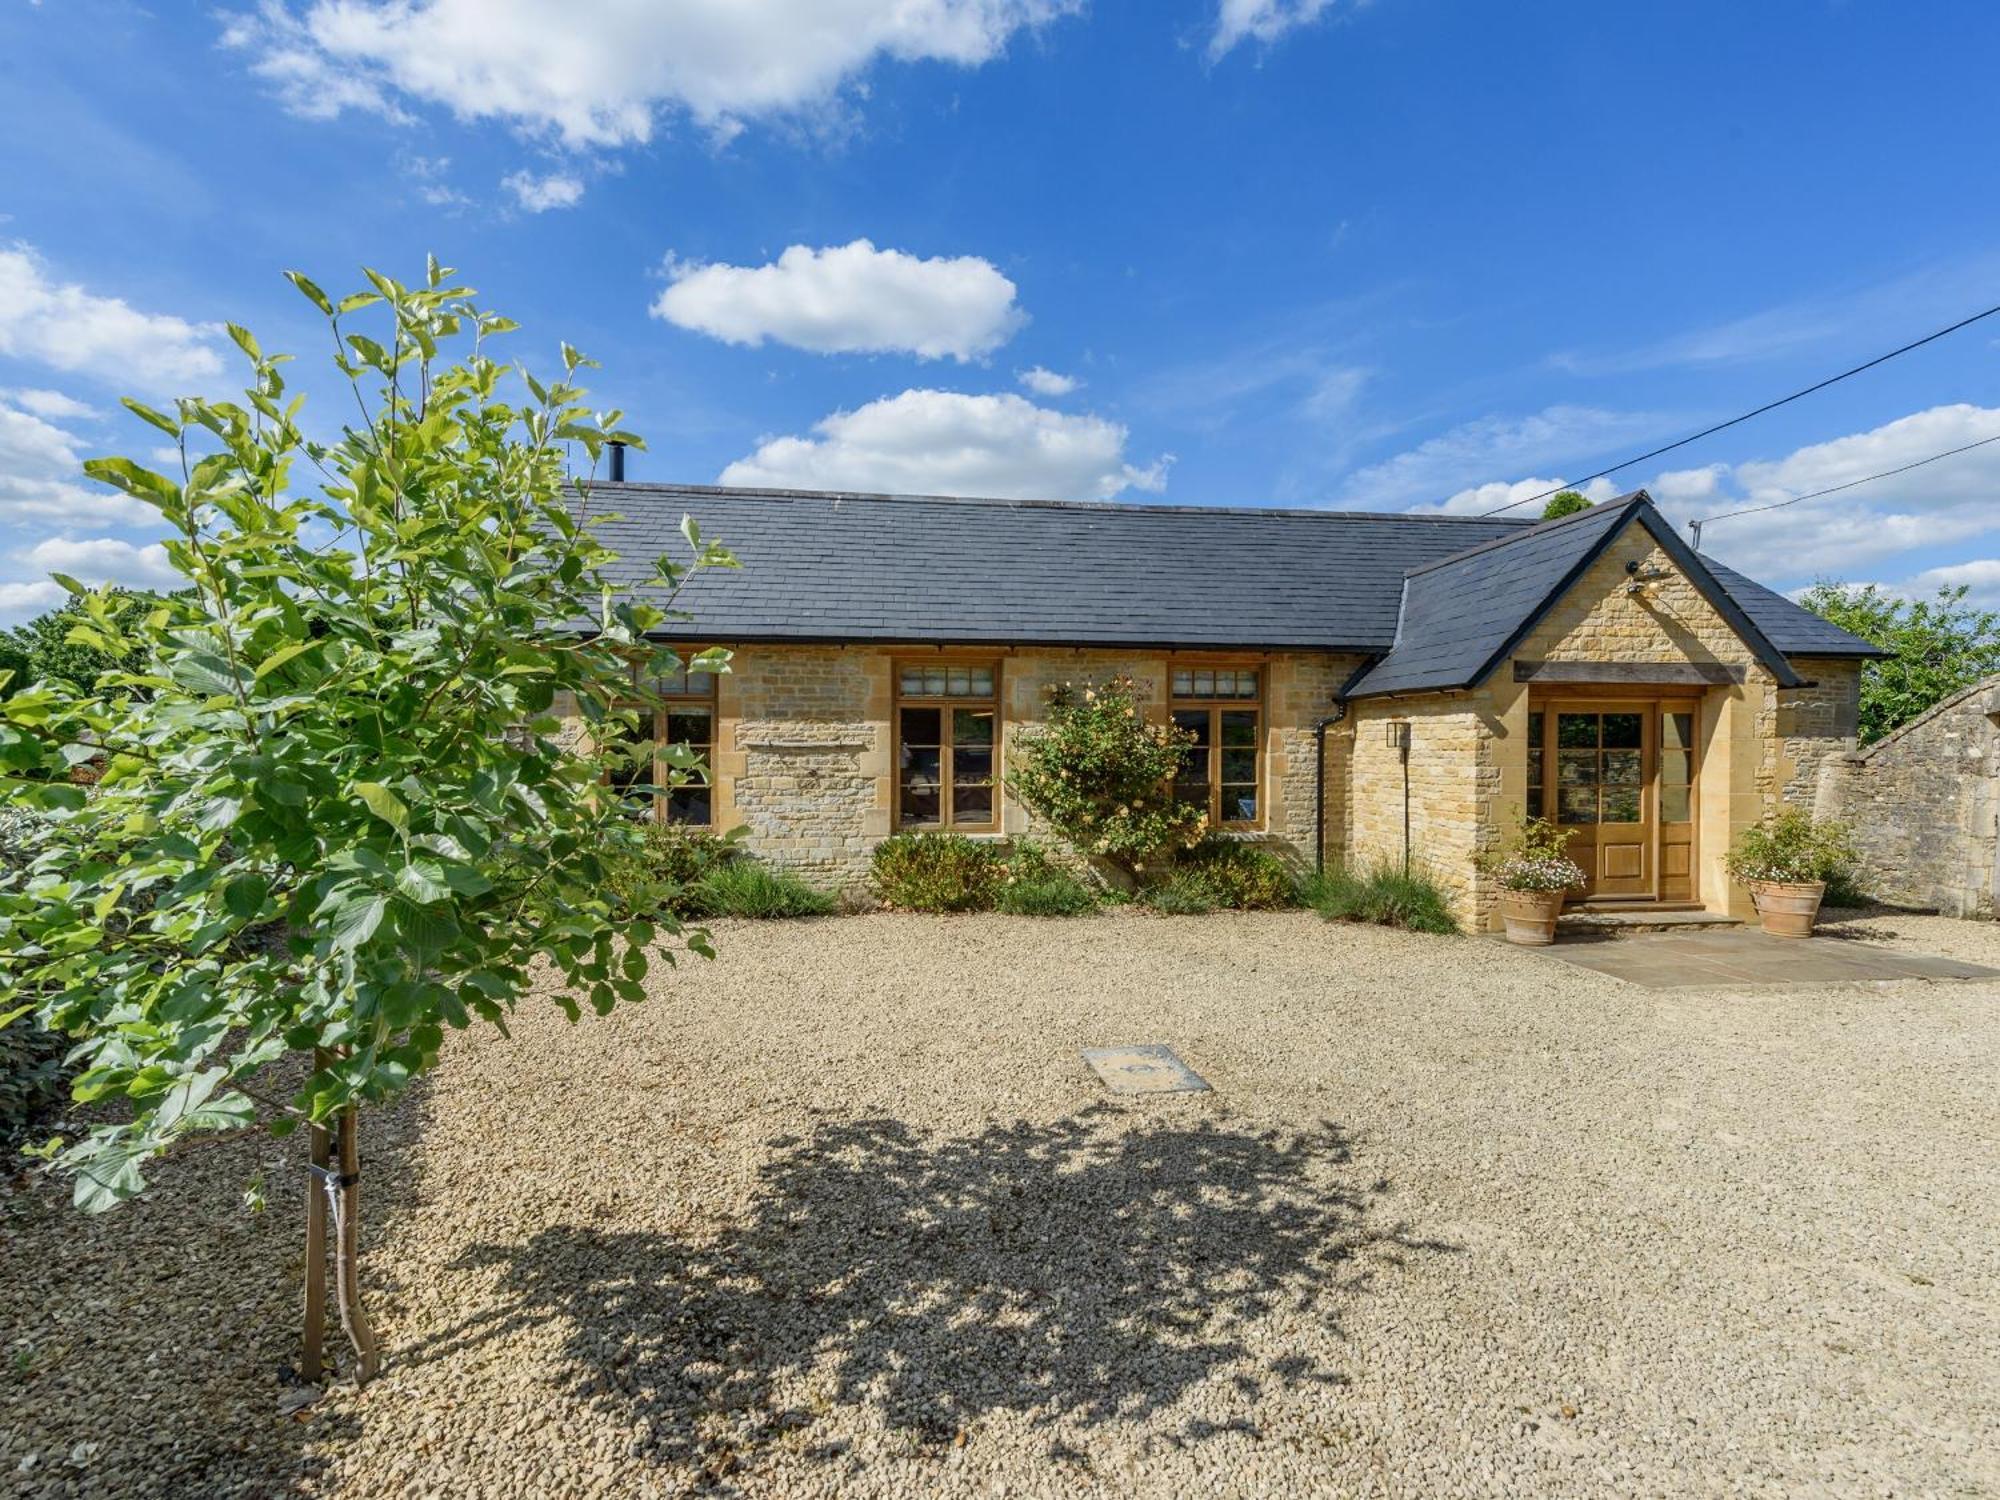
844 1213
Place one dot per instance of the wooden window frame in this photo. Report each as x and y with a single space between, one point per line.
659 812
1215 707
947 705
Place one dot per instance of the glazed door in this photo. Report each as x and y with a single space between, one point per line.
1619 779
1603 767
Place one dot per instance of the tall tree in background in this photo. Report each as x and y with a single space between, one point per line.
1568 503
336 815
1941 645
42 650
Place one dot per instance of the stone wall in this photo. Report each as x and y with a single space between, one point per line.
805 742
1924 803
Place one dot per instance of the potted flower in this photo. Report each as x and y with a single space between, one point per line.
1535 873
1786 861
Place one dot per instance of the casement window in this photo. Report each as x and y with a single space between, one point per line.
947 737
1222 772
686 717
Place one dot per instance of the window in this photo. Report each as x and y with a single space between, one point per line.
687 717
1537 767
1222 771
947 717
1600 767
1676 767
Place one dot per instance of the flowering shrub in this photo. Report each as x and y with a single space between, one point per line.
1536 858
1793 848
935 872
1100 774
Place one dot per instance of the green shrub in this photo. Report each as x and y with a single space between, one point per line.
1384 894
32 1075
935 872
1242 876
661 874
1181 893
1842 889
1099 772
1033 885
1793 847
745 888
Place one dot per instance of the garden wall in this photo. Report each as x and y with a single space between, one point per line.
1924 802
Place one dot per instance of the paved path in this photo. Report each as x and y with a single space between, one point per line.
1740 956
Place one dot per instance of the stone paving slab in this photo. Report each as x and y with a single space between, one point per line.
1746 956
1151 1069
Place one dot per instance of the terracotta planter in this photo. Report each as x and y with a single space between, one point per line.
1786 909
1530 916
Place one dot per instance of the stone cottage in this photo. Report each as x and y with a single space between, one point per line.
1360 686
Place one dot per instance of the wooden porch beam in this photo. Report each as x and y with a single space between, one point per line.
1631 673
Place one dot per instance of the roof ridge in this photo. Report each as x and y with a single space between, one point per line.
1621 502
1098 506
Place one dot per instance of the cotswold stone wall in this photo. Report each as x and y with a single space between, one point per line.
805 743
802 757
1816 723
1924 803
1449 781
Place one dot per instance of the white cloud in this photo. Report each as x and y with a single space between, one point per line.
1467 454
1938 505
603 74
431 175
1981 576
1261 21
1479 499
66 327
1046 382
848 299
1853 533
51 404
39 473
20 602
104 559
539 194
944 442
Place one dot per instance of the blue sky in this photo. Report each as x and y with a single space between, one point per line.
1398 255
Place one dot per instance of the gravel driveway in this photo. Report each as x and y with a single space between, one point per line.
843 1213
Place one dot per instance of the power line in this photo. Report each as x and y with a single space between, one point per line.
1751 510
1928 338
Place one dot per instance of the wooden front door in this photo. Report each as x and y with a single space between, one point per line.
1617 776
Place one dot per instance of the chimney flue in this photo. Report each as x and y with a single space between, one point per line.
617 463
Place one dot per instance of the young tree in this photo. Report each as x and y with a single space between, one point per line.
1940 646
1568 503
336 816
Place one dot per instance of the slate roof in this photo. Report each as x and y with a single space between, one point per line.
910 568
848 567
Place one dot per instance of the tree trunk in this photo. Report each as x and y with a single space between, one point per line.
347 1251
312 1366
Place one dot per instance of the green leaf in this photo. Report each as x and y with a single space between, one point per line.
353 921
165 423
282 655
312 293
244 896
423 881
245 340
385 804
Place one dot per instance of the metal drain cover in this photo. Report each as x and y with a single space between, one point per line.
1152 1069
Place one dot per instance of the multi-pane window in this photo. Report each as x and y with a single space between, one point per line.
689 719
685 717
1222 770
947 718
1600 767
1537 768
1676 767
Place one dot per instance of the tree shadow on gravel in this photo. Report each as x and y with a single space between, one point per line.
1083 1275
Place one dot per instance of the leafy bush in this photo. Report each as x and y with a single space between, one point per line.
660 873
1940 645
748 888
1033 885
32 1075
1842 889
1384 894
936 872
1536 858
1180 893
1240 876
1100 774
1793 847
